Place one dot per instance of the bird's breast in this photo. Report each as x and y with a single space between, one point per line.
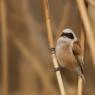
65 57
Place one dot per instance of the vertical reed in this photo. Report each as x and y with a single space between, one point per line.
4 35
80 81
89 35
88 28
51 43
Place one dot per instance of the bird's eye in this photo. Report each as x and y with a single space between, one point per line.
69 35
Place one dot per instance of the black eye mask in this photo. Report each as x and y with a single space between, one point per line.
69 35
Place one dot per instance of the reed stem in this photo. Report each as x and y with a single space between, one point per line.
80 81
88 28
51 43
4 38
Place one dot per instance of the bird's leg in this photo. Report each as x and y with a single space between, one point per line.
59 68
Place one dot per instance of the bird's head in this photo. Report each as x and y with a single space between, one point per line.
68 35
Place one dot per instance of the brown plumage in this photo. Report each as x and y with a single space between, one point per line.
66 57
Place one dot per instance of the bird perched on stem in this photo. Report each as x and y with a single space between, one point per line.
69 53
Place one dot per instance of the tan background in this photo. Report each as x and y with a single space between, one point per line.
31 73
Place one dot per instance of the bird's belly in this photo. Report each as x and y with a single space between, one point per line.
66 59
69 62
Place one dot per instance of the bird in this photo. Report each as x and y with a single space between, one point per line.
69 52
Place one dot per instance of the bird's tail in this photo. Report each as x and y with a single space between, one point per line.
83 78
80 73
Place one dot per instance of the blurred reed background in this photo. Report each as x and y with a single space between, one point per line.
25 62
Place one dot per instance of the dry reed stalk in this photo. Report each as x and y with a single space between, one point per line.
88 28
80 81
80 86
4 49
37 66
91 13
51 43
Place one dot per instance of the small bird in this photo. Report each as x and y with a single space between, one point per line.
69 53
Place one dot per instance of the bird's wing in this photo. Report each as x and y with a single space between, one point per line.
77 53
80 68
80 63
76 48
